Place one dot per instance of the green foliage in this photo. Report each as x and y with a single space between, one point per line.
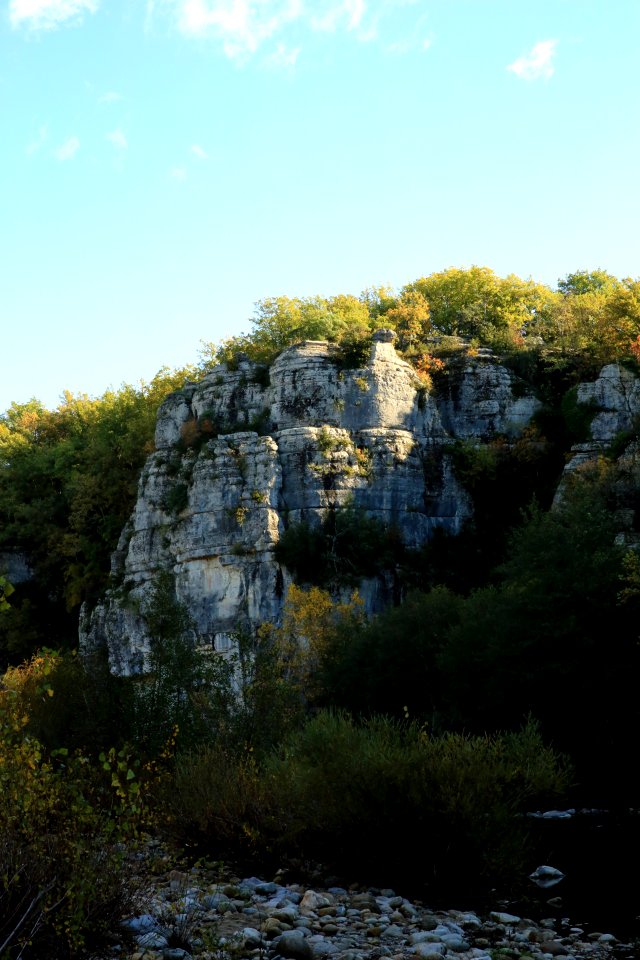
385 796
218 798
70 702
63 823
177 499
348 546
551 639
390 665
477 303
167 700
587 281
6 589
502 477
353 352
279 322
447 803
68 482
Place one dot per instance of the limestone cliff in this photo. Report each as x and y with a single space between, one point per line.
240 456
614 398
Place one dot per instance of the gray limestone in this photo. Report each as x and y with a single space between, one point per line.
244 453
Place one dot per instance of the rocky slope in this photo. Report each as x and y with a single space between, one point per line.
245 453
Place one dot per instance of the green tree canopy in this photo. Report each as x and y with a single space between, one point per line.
68 481
478 303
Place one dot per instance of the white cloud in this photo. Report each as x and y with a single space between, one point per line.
39 141
283 57
537 63
407 46
48 14
178 173
199 152
242 25
118 139
68 149
348 13
110 97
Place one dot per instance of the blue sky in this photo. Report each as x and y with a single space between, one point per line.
165 165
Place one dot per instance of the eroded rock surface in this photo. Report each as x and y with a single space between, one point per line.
615 401
243 454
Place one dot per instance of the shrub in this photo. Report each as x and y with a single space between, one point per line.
63 822
386 798
218 797
577 416
69 701
177 499
183 686
380 801
349 545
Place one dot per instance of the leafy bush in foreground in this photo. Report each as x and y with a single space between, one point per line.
383 799
63 823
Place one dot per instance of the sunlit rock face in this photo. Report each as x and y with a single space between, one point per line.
243 454
614 398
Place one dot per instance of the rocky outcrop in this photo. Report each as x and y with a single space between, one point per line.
245 453
614 398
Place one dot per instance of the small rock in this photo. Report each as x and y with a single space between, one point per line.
293 944
267 889
506 918
323 948
272 928
152 940
435 949
545 876
250 937
312 901
553 947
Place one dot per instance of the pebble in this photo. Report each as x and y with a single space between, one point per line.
258 919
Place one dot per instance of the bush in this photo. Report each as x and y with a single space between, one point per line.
220 799
577 416
69 701
348 546
381 801
387 798
390 665
63 823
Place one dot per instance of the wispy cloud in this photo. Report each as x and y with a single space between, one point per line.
348 13
48 14
110 97
416 42
68 149
241 25
118 139
283 57
199 152
537 64
178 173
39 141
